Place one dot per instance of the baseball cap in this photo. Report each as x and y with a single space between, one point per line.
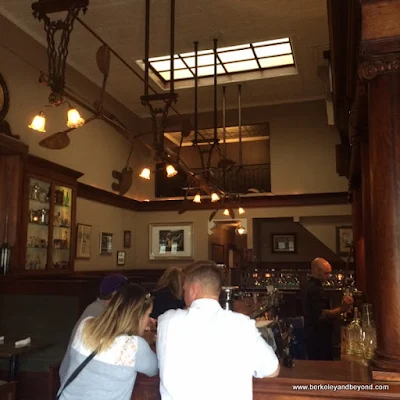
112 283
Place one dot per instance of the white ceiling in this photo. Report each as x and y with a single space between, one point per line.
121 24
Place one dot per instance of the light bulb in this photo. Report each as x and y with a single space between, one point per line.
38 123
145 174
214 197
226 212
240 230
74 119
241 210
171 171
197 198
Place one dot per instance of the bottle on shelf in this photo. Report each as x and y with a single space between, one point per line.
66 199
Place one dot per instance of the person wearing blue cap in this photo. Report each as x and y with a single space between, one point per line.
109 286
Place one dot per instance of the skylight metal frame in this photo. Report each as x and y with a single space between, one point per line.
185 58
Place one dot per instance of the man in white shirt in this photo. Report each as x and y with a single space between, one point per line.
206 352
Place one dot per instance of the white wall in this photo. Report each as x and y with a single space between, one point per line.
200 221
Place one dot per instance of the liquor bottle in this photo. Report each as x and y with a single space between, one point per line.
369 331
354 336
66 199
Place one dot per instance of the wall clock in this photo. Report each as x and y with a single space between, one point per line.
4 98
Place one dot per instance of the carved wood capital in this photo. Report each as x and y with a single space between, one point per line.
380 65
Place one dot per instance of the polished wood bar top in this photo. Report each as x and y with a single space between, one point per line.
304 373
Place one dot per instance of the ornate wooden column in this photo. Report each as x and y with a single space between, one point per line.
366 213
358 239
380 69
382 73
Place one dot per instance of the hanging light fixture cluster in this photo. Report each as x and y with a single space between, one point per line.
57 56
74 120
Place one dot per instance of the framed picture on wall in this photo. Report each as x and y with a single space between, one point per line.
127 239
106 243
171 241
344 239
83 241
284 243
120 258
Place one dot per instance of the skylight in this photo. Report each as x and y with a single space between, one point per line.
242 58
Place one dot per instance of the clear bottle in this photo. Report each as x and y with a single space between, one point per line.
354 336
369 331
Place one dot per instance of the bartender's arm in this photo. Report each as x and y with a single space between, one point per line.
335 312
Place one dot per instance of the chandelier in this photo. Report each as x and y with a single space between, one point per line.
57 54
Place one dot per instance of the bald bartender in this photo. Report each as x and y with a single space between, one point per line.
319 317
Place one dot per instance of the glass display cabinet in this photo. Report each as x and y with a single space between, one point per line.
49 211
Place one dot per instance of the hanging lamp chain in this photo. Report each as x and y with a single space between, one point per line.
57 54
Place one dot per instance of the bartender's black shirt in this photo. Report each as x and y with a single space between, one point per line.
319 332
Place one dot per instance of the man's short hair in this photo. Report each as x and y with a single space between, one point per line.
206 273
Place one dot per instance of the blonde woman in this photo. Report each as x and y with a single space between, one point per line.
168 292
109 350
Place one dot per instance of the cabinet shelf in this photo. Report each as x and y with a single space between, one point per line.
39 201
61 205
36 248
37 224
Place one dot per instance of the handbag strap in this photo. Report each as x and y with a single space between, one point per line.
77 372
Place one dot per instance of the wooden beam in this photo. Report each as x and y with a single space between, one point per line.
291 200
102 196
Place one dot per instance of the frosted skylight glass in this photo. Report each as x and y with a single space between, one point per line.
246 57
273 62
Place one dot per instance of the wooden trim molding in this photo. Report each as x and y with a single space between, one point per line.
290 200
47 168
102 196
12 146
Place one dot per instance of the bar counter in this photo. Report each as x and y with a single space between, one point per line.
304 373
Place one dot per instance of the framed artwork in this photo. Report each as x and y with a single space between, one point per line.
344 239
83 240
217 253
106 243
127 239
284 243
171 241
120 257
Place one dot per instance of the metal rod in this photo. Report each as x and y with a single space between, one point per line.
240 125
130 68
172 38
224 118
147 49
215 92
196 88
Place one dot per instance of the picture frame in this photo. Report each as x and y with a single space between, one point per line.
344 239
284 243
218 253
83 241
106 240
171 241
121 258
127 239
